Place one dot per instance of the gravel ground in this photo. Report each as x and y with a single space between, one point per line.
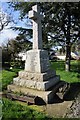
74 111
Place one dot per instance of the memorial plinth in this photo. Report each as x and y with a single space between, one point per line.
37 61
37 78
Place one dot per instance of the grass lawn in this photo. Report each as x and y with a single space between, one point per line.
13 109
7 77
72 76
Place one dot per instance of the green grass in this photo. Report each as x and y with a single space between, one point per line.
72 76
7 77
15 110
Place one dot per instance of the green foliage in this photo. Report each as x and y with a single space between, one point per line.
10 51
17 64
0 80
0 107
59 18
12 110
12 48
5 55
61 23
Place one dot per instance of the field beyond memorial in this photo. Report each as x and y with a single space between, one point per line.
73 76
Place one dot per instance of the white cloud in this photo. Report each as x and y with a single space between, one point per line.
7 34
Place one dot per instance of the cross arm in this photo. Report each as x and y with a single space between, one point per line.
34 15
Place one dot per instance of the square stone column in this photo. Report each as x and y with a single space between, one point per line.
37 61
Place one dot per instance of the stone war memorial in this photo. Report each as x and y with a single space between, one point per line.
37 79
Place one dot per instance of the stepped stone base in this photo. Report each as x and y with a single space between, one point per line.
47 96
37 76
36 85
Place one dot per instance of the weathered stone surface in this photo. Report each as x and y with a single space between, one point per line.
36 85
37 61
37 76
47 96
34 14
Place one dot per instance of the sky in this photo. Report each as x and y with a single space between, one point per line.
7 33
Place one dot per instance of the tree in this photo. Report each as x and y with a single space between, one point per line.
10 51
4 20
61 23
24 9
23 38
63 20
5 56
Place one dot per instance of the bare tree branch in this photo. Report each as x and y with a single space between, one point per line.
4 20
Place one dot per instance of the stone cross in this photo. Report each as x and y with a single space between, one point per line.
34 14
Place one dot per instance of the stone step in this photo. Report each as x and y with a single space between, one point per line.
37 76
60 88
24 98
46 96
58 85
36 85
